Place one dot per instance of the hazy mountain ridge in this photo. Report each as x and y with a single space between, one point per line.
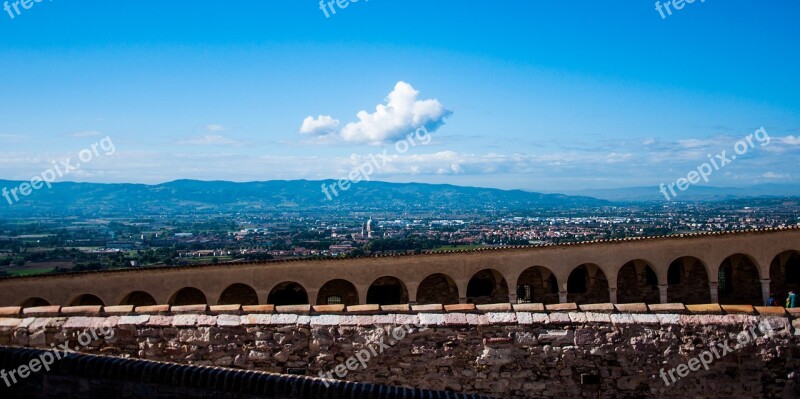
189 196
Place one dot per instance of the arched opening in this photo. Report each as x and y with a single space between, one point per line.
739 282
139 298
587 284
87 300
437 288
34 302
188 296
387 290
637 282
537 284
238 294
687 280
336 292
487 286
784 274
288 293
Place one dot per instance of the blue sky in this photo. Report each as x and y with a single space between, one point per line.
548 96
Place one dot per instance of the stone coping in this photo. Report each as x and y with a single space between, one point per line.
562 308
489 319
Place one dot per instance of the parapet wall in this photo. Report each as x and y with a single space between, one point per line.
495 350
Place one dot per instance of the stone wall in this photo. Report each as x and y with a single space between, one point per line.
526 351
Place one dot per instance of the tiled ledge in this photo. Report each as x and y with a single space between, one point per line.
356 310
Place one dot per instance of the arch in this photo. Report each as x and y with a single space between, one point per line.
34 302
537 284
738 281
637 282
437 288
288 293
86 300
487 286
687 281
139 298
587 284
238 294
338 291
784 274
387 290
188 296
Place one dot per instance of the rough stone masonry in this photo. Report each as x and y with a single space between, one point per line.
525 351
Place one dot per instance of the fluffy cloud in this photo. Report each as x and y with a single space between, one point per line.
790 140
320 126
402 113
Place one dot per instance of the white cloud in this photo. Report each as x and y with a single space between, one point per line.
790 140
773 175
402 113
320 126
211 139
85 134
216 128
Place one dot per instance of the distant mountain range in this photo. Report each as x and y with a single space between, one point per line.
193 196
694 193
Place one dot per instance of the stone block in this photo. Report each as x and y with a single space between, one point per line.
502 317
205 320
561 307
747 309
363 308
460 307
284 318
118 310
529 307
42 311
81 310
230 309
258 308
403 307
559 318
229 320
159 321
704 308
455 319
598 307
382 319
325 320
405 319
771 310
622 318
134 320
597 317
667 308
184 320
348 320
434 307
432 319
645 318
631 307
495 307
81 322
152 309
329 309
557 337
10 311
190 309
293 309
577 317
256 319
667 319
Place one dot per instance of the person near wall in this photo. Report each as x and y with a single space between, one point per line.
791 300
771 301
